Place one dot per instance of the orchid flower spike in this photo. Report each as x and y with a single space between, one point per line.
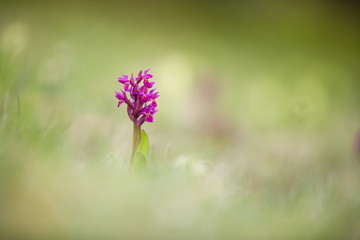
139 96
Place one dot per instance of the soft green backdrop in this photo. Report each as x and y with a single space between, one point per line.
254 137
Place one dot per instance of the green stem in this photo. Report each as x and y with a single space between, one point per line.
136 140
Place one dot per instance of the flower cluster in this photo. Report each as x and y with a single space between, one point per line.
141 105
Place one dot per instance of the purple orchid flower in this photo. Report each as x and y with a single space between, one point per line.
141 102
124 79
120 96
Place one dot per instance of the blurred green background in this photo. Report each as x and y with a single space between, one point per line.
254 138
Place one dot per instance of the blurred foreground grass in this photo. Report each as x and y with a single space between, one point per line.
259 108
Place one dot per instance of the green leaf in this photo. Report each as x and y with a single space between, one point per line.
139 162
143 146
142 152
